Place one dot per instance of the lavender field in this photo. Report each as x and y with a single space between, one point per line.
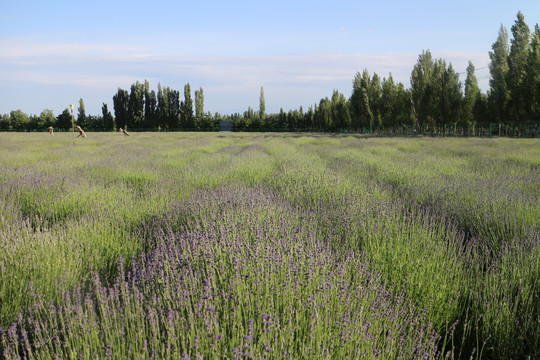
268 246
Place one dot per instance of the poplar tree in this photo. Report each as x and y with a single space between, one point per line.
422 88
173 107
340 111
136 105
162 112
262 106
108 120
355 101
364 92
366 113
472 93
374 93
395 105
323 114
388 99
150 107
186 109
199 106
532 83
452 96
63 121
81 117
517 68
120 105
498 68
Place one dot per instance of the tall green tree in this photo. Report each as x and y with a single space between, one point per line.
5 122
174 108
499 94
162 107
63 121
120 105
136 106
355 102
199 107
517 68
374 93
108 120
532 80
452 96
366 93
395 104
81 116
472 93
340 111
150 107
309 119
388 101
436 92
323 115
186 109
262 106
422 89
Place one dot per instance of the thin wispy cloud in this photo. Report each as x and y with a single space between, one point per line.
299 51
104 67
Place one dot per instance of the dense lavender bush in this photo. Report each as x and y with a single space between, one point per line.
265 246
245 286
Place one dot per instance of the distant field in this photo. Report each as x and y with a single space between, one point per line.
231 245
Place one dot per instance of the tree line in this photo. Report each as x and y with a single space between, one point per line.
436 100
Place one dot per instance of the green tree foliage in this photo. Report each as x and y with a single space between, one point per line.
436 100
150 107
499 94
472 96
5 122
135 117
187 119
517 68
365 97
162 106
174 109
340 111
81 114
19 120
262 106
120 104
365 109
355 102
373 88
388 101
451 96
532 80
46 119
435 92
199 107
63 121
422 89
108 120
395 108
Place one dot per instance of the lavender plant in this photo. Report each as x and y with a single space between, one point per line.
257 288
268 246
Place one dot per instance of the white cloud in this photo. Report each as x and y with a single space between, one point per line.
231 82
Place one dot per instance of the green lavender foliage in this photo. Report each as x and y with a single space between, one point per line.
265 245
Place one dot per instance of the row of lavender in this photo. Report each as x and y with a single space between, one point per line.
256 282
252 246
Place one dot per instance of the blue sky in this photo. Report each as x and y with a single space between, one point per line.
52 53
